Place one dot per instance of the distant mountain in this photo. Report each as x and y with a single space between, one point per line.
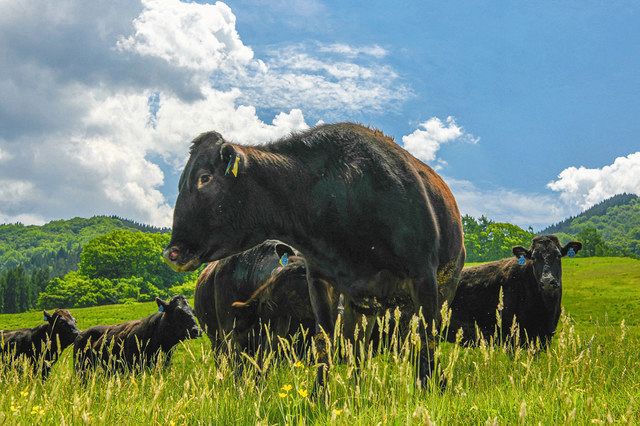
58 243
617 220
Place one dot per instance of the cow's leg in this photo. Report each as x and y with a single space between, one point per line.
321 306
351 320
426 300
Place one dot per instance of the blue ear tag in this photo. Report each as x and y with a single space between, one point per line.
284 260
45 318
160 308
571 252
521 260
226 172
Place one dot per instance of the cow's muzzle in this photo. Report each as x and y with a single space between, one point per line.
549 284
180 260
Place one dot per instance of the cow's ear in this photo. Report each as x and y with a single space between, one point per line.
232 159
162 305
281 249
47 316
571 248
521 251
283 252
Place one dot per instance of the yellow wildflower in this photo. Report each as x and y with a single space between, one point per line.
337 412
287 388
282 395
297 364
24 393
303 393
37 410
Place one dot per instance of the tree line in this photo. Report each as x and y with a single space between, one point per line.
125 264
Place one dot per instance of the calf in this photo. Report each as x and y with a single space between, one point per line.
41 345
272 276
532 291
378 225
138 343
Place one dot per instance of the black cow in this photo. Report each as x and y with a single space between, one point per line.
138 343
369 218
41 345
532 291
237 296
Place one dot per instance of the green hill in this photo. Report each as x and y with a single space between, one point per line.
57 244
616 220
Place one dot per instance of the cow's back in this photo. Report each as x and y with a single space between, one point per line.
476 299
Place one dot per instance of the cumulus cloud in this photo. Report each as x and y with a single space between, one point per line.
101 99
425 142
506 205
197 36
584 187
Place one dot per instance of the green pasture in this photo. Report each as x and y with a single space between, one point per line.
590 375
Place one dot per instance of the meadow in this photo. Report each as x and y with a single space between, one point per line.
590 375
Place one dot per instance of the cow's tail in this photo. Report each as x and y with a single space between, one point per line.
296 263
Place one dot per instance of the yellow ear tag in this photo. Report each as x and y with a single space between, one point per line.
235 166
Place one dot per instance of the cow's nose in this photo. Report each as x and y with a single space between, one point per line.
172 253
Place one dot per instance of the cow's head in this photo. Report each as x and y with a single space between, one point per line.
62 326
211 219
179 322
545 255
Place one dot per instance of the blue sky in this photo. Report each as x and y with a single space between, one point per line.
543 97
544 85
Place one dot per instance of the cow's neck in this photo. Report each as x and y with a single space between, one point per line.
287 217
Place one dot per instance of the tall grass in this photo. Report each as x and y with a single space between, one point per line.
589 375
580 379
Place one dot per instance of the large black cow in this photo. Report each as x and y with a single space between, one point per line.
237 296
41 345
137 343
532 292
369 218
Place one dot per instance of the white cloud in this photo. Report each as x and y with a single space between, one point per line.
4 155
190 35
506 205
583 187
326 84
78 134
354 51
424 143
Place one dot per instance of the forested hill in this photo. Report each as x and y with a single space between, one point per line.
613 225
57 244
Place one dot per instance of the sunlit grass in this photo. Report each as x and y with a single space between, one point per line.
589 375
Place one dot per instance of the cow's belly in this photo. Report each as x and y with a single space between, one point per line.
383 291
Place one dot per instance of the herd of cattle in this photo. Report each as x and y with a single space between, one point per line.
335 221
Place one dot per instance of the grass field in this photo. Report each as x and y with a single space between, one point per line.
591 374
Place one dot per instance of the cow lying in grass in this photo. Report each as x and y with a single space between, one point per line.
41 345
236 297
138 343
532 291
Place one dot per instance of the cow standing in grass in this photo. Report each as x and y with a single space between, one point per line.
41 345
532 291
370 219
135 344
236 297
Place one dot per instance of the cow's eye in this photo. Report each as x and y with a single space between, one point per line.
204 179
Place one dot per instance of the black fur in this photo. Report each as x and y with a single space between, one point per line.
138 343
370 219
41 345
532 294
236 296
